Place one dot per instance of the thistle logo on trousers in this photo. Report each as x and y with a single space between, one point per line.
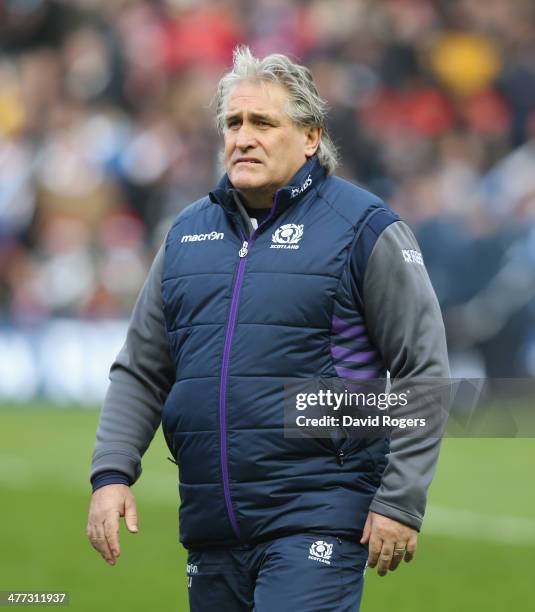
287 236
321 552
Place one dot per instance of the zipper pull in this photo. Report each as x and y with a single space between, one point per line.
340 457
244 249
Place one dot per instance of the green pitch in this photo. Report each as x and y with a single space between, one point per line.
476 552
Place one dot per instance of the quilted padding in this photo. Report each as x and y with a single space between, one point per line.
238 330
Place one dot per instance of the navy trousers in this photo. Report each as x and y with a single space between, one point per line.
309 572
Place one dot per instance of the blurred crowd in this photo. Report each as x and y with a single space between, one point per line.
106 132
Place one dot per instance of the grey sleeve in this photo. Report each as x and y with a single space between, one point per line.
140 380
404 320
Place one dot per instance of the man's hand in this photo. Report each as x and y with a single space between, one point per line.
388 542
108 504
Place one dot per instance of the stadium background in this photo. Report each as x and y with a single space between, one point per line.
106 133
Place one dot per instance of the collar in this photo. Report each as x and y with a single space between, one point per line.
309 175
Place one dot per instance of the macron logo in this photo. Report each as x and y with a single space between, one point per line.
202 237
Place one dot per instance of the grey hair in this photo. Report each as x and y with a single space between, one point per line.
305 108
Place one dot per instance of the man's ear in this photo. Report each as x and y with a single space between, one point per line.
312 139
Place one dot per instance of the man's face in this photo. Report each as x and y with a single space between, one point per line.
263 147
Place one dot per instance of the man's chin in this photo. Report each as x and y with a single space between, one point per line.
248 184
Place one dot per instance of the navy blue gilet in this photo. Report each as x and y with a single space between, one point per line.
244 314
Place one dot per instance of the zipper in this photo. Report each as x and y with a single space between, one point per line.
223 385
242 253
340 453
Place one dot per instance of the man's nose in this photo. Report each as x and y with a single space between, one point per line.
245 138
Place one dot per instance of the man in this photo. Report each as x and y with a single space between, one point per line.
283 271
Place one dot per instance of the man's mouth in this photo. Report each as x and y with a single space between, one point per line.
247 160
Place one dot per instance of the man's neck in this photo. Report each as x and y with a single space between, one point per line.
256 200
257 215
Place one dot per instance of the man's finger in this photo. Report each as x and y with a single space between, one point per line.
385 558
411 549
111 531
130 514
374 550
398 554
366 531
92 536
100 543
